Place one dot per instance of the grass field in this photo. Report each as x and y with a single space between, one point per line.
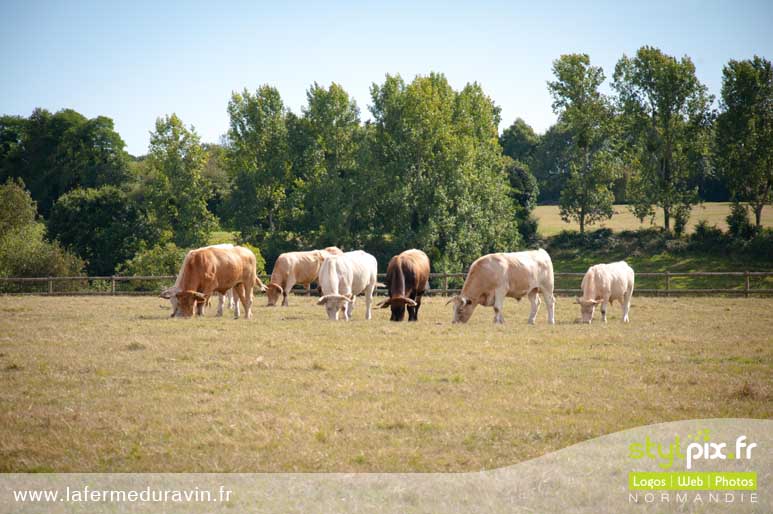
112 384
550 222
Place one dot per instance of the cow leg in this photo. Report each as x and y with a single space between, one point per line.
247 291
286 292
534 300
350 309
499 304
230 297
220 302
413 312
626 305
200 308
239 290
604 305
550 301
368 301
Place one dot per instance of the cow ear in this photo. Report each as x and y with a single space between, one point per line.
452 299
277 287
465 301
322 301
166 294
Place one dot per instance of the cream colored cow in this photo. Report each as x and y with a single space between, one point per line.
295 268
603 284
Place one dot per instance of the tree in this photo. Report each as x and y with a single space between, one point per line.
587 195
744 132
667 120
444 186
18 207
258 162
24 252
519 141
550 162
54 153
102 226
336 183
178 192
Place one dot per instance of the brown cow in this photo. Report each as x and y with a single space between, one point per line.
406 279
209 270
295 268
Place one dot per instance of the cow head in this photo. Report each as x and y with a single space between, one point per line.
186 303
587 308
169 294
334 303
463 308
273 293
398 304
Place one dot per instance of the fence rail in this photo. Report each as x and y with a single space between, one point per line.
445 284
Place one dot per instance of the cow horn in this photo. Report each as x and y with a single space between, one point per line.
452 299
386 303
277 287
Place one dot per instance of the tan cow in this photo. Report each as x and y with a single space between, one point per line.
209 270
170 292
497 275
296 268
602 284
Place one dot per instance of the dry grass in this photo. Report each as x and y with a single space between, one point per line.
112 384
550 222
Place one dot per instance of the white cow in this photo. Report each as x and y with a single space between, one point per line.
498 275
342 278
602 284
171 292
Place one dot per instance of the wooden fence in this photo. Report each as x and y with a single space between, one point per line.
444 284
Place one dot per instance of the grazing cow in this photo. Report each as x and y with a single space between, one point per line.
602 284
295 268
170 292
407 278
209 270
497 275
342 278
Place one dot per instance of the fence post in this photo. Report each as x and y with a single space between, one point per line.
668 283
746 284
50 285
112 284
445 284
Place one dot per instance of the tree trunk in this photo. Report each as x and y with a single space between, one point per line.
582 223
758 214
667 217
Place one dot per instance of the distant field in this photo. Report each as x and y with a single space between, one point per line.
113 384
550 222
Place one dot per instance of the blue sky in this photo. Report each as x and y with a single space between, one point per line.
134 61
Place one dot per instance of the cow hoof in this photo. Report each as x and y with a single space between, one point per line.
531 322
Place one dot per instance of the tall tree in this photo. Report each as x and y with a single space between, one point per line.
744 132
666 112
102 226
550 162
444 182
587 195
179 193
259 162
54 153
519 141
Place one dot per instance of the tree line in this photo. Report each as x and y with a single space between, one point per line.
428 170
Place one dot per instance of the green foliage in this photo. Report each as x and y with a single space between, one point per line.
54 153
17 208
161 259
738 222
744 132
178 192
442 185
258 162
519 141
24 252
587 193
100 225
666 118
550 162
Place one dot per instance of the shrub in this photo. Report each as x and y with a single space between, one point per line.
260 262
738 222
25 253
162 259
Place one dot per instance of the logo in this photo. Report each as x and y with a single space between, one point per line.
697 447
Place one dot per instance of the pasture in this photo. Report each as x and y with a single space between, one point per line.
112 384
714 213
